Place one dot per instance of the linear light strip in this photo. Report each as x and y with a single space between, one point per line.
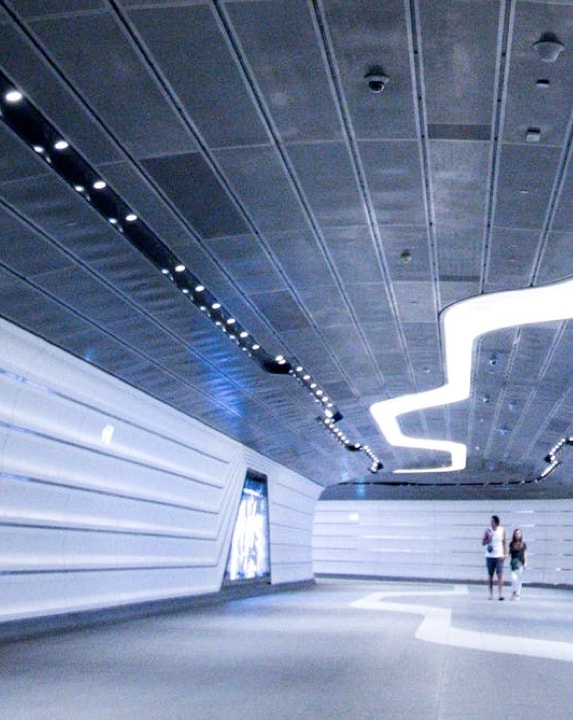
37 132
461 324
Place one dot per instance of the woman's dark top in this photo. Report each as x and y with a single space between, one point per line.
516 550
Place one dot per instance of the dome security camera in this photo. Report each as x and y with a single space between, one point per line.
376 80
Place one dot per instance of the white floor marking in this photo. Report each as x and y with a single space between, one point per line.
436 627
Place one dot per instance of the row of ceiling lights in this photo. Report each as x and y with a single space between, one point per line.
34 129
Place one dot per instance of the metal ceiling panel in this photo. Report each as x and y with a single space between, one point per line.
394 179
513 257
459 184
557 260
302 258
459 45
244 258
329 183
192 186
81 43
35 254
279 44
334 223
261 184
205 76
529 169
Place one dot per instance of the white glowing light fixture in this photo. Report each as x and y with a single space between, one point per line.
107 434
461 324
13 96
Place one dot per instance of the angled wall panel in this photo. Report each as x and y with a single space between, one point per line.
108 497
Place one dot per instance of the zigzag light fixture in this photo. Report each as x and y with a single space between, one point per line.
461 324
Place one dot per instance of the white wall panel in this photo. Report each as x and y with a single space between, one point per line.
87 523
439 539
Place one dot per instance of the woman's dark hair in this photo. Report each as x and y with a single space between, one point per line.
514 539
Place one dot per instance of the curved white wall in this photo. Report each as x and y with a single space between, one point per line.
87 524
439 540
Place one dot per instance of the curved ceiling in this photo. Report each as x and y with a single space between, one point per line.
331 219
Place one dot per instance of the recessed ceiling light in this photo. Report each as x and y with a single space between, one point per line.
244 334
179 268
199 288
132 217
61 145
99 185
256 346
13 96
231 321
39 148
79 188
216 305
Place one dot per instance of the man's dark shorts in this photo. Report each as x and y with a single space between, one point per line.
494 565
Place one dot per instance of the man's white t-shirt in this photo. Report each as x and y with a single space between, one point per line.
496 543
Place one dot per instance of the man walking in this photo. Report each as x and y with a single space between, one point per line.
495 553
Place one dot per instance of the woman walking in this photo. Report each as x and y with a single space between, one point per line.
518 561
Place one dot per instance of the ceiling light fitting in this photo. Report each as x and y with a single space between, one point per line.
461 324
329 424
549 47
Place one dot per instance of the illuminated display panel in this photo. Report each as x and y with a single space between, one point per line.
249 556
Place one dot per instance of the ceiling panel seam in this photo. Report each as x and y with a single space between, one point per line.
565 162
505 37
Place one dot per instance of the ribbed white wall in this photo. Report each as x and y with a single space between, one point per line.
86 525
439 539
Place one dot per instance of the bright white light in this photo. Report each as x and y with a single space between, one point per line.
132 217
461 324
13 96
61 145
107 434
99 185
178 268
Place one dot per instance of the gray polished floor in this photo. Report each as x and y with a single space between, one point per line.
342 649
